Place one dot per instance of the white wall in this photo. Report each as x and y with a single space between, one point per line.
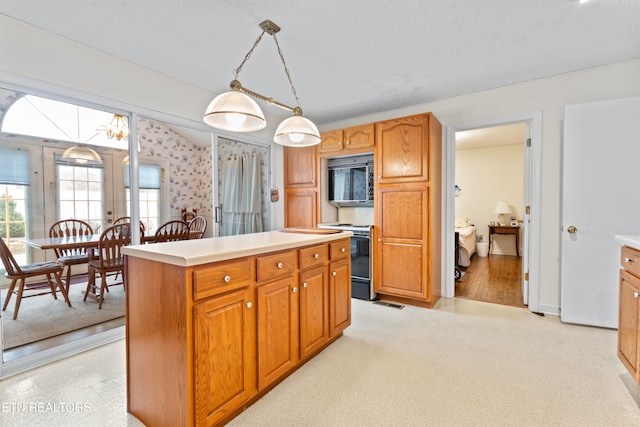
486 175
43 60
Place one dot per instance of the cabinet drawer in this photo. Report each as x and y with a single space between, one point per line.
222 277
630 260
312 256
340 249
276 265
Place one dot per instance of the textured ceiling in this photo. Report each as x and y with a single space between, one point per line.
350 58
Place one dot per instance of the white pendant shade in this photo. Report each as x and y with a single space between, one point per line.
234 111
297 131
82 155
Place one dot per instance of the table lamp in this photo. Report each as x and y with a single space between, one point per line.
502 207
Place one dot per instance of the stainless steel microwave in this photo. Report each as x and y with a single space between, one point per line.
351 181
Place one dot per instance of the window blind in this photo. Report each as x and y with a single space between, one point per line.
14 166
148 175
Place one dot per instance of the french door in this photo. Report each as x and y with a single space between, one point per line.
81 192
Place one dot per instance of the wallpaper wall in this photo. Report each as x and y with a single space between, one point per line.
190 171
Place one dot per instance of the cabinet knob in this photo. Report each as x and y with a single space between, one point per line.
227 278
629 260
316 256
304 285
295 290
334 273
636 294
249 305
342 250
279 265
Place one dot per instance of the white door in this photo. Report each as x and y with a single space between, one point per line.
600 199
98 205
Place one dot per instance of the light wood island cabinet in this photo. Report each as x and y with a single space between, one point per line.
213 324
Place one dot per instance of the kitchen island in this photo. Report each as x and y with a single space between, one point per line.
213 324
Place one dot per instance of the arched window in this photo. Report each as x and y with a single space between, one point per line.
45 118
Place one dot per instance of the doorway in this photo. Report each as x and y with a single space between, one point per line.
524 209
489 175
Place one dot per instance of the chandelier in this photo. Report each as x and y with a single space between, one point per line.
117 129
235 111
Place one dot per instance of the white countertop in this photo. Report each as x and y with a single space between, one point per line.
188 253
633 241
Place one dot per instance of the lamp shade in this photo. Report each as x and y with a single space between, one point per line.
82 155
234 111
297 131
502 207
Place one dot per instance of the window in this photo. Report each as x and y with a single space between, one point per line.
149 194
46 118
14 185
80 192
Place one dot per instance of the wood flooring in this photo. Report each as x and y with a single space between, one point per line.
495 279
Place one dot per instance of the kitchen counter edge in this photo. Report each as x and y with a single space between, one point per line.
633 241
187 253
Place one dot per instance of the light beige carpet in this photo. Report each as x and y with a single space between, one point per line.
43 317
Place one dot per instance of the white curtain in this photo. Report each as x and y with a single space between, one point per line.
242 195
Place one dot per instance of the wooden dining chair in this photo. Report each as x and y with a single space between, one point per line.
125 219
110 260
15 272
197 227
171 231
71 256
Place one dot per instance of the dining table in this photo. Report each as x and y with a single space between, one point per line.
89 242
68 242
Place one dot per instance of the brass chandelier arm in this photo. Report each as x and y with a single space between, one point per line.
236 85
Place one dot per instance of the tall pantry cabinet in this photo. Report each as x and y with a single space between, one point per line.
408 209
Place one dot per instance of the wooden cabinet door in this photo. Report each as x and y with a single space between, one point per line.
402 267
331 141
629 323
300 209
403 149
224 355
277 307
359 137
314 302
300 169
339 296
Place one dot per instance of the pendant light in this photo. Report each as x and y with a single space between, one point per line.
235 110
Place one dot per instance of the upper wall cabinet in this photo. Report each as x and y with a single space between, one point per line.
403 149
353 138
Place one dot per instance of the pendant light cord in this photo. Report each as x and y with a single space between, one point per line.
284 64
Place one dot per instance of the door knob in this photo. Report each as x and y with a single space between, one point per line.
572 229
